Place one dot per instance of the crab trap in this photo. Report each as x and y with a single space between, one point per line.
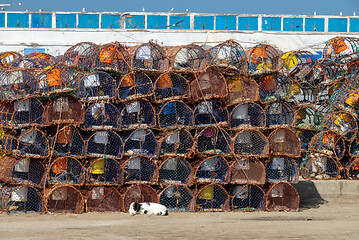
27 112
140 169
247 171
137 114
249 197
309 118
328 143
343 123
247 115
63 199
263 59
175 171
347 100
139 193
324 72
275 87
250 143
150 56
352 169
188 58
6 112
170 86
43 60
321 167
103 171
105 144
96 86
17 84
79 55
305 136
212 170
342 49
7 57
354 148
65 171
282 169
284 142
213 140
134 85
240 89
326 93
175 115
32 64
64 110
104 199
212 198
177 143
304 94
210 113
101 116
294 61
280 114
20 199
141 142
177 198
68 142
282 197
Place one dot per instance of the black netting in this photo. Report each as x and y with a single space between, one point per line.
326 93
67 171
275 87
134 85
343 123
209 113
105 144
140 169
213 170
304 94
175 171
212 198
97 86
250 143
68 142
150 56
101 116
175 114
137 114
247 115
308 118
177 198
7 57
214 140
16 84
141 142
305 136
78 56
340 48
280 114
178 143
6 112
248 198
190 58
27 112
294 61
170 86
352 169
282 169
103 171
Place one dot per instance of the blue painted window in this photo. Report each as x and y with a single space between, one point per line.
156 22
293 24
354 25
225 23
2 19
337 25
18 20
180 22
111 21
32 50
314 24
271 24
65 20
41 20
135 22
89 21
248 23
203 22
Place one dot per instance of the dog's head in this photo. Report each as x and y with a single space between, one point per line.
134 208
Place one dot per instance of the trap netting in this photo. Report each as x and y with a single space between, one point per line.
103 171
212 198
175 115
352 169
284 142
250 143
27 63
294 61
141 142
150 56
354 148
66 171
326 93
139 193
241 88
27 112
305 136
96 86
347 100
321 167
213 170
64 110
175 171
188 58
213 140
328 143
17 84
134 85
282 197
280 114
7 57
247 115
101 116
275 87
309 118
79 55
42 59
177 198
104 199
208 84
20 199
210 113
304 94
6 112
324 72
342 49
263 59
68 142
282 169
105 144
137 114
27 171
177 143
63 199
343 123
247 171
249 197
140 169
170 86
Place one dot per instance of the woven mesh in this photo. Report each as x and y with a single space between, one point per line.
354 148
320 167
137 114
305 136
104 199
275 87
105 144
284 142
213 170
248 143
282 169
190 58
326 93
101 116
177 143
78 56
241 88
65 110
27 112
210 113
328 143
294 61
170 86
282 197
134 85
97 86
347 100
64 199
24 63
7 57
247 115
68 142
16 84
247 171
174 115
308 118
103 171
6 112
139 193
175 171
177 198
141 142
66 171
325 72
343 123
150 56
140 169
304 94
43 60
212 198
248 198
340 48
352 169
213 140
280 114
263 59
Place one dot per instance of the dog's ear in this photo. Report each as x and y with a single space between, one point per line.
137 207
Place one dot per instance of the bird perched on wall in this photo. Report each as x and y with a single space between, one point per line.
171 10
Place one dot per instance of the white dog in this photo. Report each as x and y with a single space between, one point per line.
147 208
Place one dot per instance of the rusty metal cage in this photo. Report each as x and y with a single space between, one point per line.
247 171
213 169
177 198
188 58
249 197
64 110
137 114
177 143
68 142
79 55
175 171
282 197
304 94
294 61
275 87
66 171
352 169
170 86
6 112
134 85
241 88
139 193
343 123
104 199
328 143
101 116
17 84
308 118
175 115
27 112
263 58
25 63
150 56
41 59
210 113
341 48
105 144
282 169
212 198
250 143
140 169
347 100
284 142
247 115
96 86
63 199
141 142
7 57
280 114
321 167
104 171
213 140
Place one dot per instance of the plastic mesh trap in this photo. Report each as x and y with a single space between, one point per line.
177 143
66 171
282 169
343 123
248 143
247 171
141 142
247 115
101 116
134 85
170 86
241 88
210 113
149 56
177 198
17 84
188 58
213 170
249 197
320 167
79 55
282 197
139 193
213 140
64 110
284 142
104 199
263 59
280 114
275 87
174 115
137 114
212 198
328 143
96 86
64 199
27 112
105 144
175 171
140 169
103 171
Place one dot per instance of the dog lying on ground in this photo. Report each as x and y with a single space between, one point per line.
147 208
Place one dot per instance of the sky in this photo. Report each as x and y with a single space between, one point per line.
300 7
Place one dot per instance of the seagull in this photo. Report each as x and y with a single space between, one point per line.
315 13
354 14
186 11
40 10
171 10
2 9
176 24
84 10
20 4
341 14
143 9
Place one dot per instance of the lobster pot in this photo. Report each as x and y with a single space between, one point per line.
139 193
175 171
249 197
66 171
104 199
96 86
137 114
353 75
42 60
64 110
68 142
282 169
64 199
240 89
308 118
17 84
247 115
305 136
209 84
321 167
283 141
188 58
134 85
247 171
304 94
28 112
250 143
347 100
8 57
341 49
20 199
209 113
78 56
21 171
213 170
352 169
150 56
325 72
263 59
212 198
6 112
326 93
177 198
104 171
174 115
344 123
328 143
170 86
294 61
213 140
25 63
141 142
275 87
280 114
140 169
105 144
282 197
177 143
101 116
354 148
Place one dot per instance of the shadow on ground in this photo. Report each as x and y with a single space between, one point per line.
309 195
